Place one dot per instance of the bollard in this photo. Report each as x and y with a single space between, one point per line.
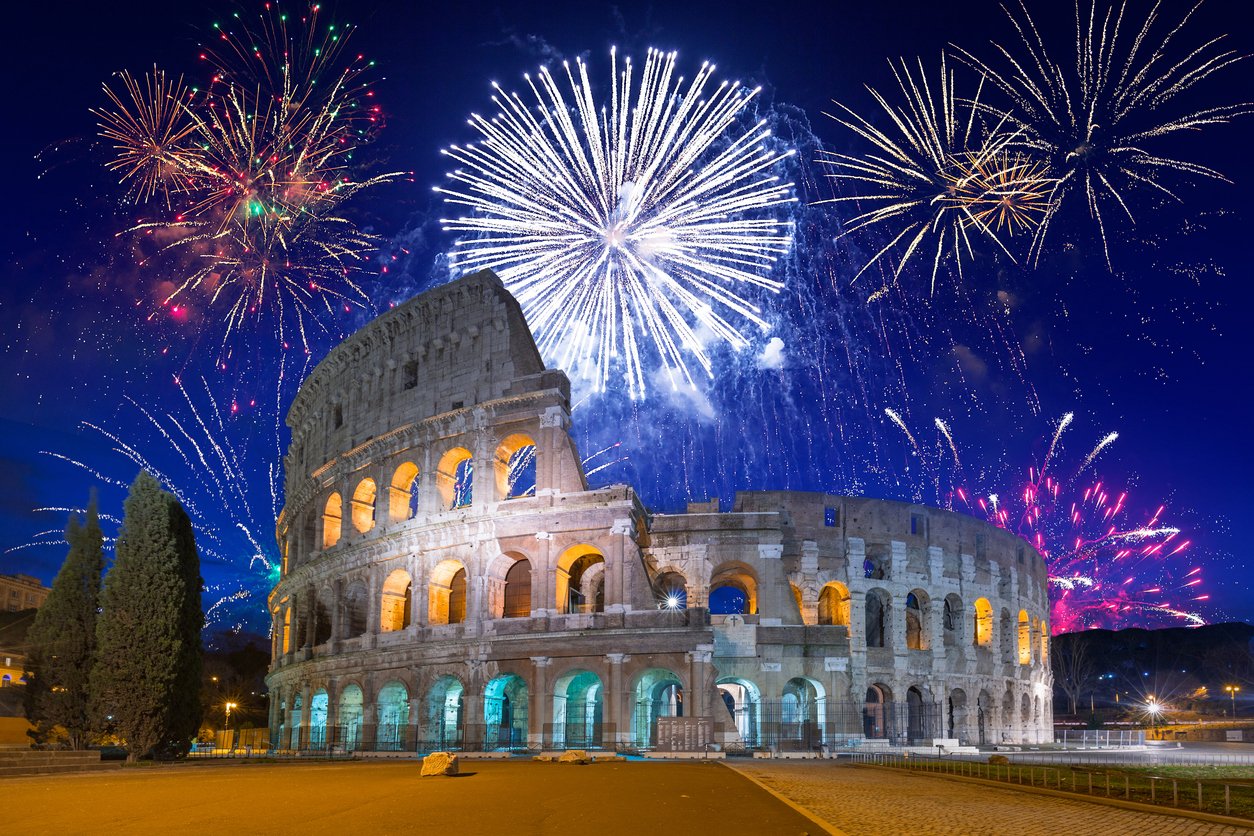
1199 795
1108 785
1090 783
1175 793
1126 792
1227 800
1153 798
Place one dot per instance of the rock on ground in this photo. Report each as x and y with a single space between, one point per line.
439 763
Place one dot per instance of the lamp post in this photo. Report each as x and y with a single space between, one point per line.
1232 692
229 706
1152 706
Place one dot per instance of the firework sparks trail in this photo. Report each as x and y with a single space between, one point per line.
1095 121
254 172
628 231
193 456
940 181
1109 565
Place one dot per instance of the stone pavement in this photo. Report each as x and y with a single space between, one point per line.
866 801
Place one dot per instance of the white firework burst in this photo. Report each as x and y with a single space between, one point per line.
631 231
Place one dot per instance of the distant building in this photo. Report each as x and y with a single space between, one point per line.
21 592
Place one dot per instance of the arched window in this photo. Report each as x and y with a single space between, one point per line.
505 713
671 590
802 713
447 596
796 594
332 515
577 709
515 465
403 493
580 585
952 620
444 713
350 717
1044 643
518 590
396 604
877 615
834 604
355 609
875 713
455 477
1025 638
363 505
392 705
1005 631
733 590
658 693
983 623
322 618
916 620
457 598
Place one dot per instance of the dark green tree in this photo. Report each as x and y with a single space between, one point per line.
186 708
62 640
144 647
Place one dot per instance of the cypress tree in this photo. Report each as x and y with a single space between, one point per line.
144 649
62 640
186 710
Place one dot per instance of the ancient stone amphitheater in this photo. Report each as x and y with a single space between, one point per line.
450 580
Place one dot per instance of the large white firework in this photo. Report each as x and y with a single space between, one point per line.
632 231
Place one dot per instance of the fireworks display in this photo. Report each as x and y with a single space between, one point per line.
942 182
1111 565
233 506
1095 119
252 173
632 231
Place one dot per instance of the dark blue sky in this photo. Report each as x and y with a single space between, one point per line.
1157 351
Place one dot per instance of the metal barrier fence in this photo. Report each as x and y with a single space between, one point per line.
1099 738
1229 798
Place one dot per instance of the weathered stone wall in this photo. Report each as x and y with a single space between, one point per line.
423 603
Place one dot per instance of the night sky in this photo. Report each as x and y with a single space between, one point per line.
1156 351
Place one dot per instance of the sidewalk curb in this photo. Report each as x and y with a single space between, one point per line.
827 828
1174 812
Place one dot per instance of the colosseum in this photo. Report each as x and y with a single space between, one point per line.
450 580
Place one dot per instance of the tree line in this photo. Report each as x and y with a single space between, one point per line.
121 658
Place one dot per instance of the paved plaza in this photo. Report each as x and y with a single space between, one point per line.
866 801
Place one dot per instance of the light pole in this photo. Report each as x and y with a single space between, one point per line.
229 706
1232 692
1154 709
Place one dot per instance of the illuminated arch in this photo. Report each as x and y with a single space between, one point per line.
1025 638
403 493
658 693
332 517
743 701
580 581
447 593
444 713
834 604
356 608
396 602
802 713
505 713
917 611
392 709
515 466
983 623
577 709
351 710
363 505
671 590
454 478
742 583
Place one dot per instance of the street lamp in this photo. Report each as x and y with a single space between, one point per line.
229 706
1232 692
1152 706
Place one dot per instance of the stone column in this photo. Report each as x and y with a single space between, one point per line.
539 707
414 727
698 672
369 714
306 712
333 712
617 730
276 717
337 613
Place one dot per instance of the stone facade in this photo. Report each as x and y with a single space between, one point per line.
450 581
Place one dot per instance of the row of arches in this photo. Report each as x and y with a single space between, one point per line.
446 718
514 465
444 598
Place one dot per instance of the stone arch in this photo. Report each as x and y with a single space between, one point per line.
1025 716
916 720
876 566
799 598
403 493
983 623
917 619
396 601
577 710
392 710
658 693
878 626
834 604
454 478
1025 638
294 722
323 605
1009 722
671 590
515 466
742 584
332 518
349 716
743 701
505 713
445 722
319 705
446 602
363 502
518 589
1044 652
580 585
985 717
952 620
803 713
1005 630
958 715
356 610
877 712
